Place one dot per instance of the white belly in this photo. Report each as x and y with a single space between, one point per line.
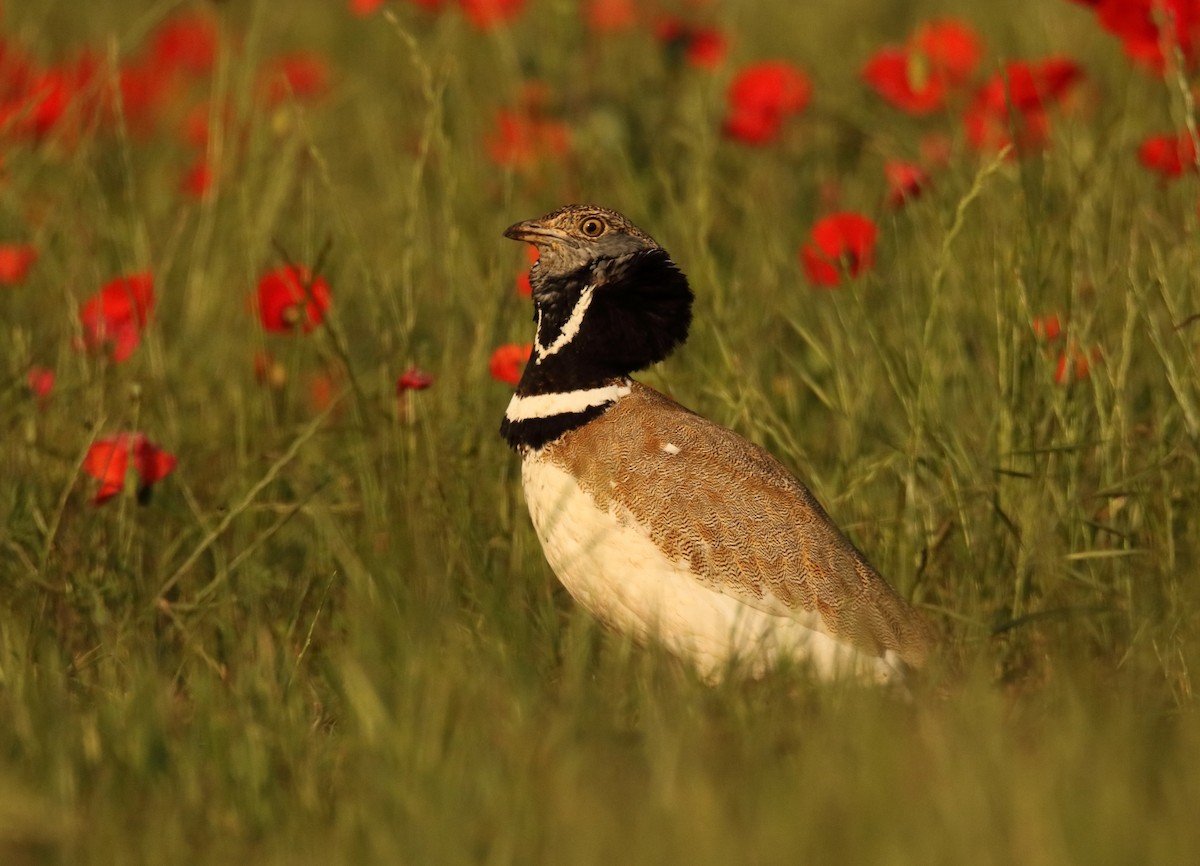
610 565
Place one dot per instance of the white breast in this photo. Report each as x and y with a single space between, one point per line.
610 565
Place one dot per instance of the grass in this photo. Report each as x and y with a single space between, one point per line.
330 635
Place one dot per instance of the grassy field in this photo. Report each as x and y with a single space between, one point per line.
329 635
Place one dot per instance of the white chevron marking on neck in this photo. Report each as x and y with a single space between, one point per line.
563 402
569 329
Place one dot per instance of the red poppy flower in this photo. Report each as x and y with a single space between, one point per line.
1011 107
761 96
1075 365
115 317
952 49
185 43
524 286
1169 155
508 362
302 75
523 140
753 128
905 182
108 462
610 16
486 14
904 84
1136 24
702 47
413 379
144 91
198 179
839 243
290 299
1048 328
707 48
32 99
1030 85
37 106
917 76
15 262
40 381
989 130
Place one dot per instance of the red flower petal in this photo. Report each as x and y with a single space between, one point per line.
1169 155
909 86
1011 106
761 96
1036 83
952 48
839 242
905 182
1048 327
524 285
706 48
15 262
523 140
123 339
413 379
508 362
702 47
773 85
144 90
753 127
303 75
1075 365
185 43
198 179
290 299
1136 24
116 315
151 463
107 461
918 76
40 381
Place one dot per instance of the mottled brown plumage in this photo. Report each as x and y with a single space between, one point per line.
748 527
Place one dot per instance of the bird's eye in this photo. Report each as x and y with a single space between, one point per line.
592 227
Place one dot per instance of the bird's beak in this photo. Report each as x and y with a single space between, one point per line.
532 232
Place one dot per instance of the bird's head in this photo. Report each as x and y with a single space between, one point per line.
605 287
578 237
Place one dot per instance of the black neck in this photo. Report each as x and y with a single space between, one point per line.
638 312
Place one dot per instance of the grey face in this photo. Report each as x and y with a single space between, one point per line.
576 237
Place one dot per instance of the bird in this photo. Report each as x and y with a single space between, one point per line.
661 523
